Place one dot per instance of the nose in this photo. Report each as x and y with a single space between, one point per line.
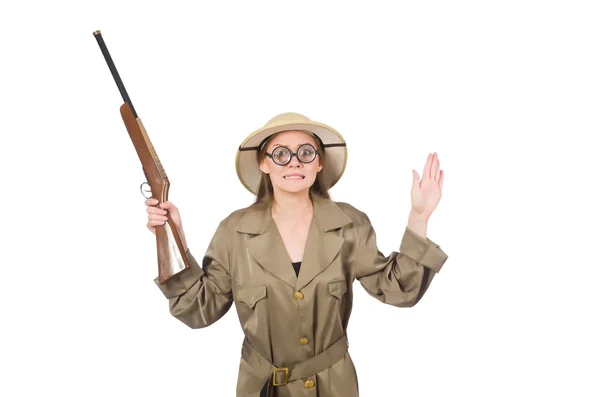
294 162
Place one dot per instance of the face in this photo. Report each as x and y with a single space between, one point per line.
295 176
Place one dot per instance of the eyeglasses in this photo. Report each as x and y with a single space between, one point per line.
282 155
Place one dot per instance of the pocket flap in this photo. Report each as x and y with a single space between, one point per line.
251 295
337 287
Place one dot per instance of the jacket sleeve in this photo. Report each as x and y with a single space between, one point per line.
199 296
401 278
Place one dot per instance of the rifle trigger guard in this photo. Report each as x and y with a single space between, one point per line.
146 190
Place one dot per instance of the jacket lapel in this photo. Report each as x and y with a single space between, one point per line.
321 249
268 249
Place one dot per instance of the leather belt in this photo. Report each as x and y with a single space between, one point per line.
282 375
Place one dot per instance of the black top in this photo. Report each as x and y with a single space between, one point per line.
296 267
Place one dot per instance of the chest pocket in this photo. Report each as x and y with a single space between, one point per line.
250 295
337 288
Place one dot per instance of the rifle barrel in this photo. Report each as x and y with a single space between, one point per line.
113 70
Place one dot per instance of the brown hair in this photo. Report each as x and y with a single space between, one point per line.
265 190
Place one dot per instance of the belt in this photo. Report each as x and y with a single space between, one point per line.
282 375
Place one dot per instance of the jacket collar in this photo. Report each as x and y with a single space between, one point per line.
327 215
321 248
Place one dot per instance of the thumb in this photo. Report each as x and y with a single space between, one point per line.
166 205
415 179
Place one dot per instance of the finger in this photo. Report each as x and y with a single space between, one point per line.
155 210
157 217
167 205
151 201
170 207
427 168
435 169
441 178
156 223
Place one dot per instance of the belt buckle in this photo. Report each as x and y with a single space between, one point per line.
286 372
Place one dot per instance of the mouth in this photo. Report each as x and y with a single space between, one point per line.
293 177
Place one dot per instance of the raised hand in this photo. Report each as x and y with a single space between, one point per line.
426 194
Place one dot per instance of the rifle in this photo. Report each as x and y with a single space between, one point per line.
171 256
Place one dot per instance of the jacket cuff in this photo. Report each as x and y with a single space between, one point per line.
182 282
422 250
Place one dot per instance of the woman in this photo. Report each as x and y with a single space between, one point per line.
289 260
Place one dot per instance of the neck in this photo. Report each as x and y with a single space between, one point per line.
290 206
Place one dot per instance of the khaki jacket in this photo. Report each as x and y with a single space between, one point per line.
287 319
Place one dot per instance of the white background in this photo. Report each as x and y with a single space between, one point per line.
508 94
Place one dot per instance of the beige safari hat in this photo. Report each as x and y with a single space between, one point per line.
331 141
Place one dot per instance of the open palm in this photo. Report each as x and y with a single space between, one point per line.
426 194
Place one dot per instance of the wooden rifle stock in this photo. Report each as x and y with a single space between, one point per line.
170 251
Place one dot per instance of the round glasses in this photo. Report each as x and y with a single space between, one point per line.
282 155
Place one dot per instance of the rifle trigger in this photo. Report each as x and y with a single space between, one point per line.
146 190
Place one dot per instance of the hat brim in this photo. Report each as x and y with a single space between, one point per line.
247 167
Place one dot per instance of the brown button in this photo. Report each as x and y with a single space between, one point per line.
298 295
309 383
304 341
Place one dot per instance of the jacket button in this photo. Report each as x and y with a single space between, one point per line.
309 383
298 295
304 341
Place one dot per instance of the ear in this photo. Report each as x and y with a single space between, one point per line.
263 167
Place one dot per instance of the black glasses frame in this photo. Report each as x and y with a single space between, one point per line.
292 154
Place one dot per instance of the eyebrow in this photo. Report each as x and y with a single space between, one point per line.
280 144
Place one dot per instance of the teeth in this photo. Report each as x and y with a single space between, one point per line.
293 177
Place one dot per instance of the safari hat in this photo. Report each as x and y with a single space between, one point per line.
330 140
